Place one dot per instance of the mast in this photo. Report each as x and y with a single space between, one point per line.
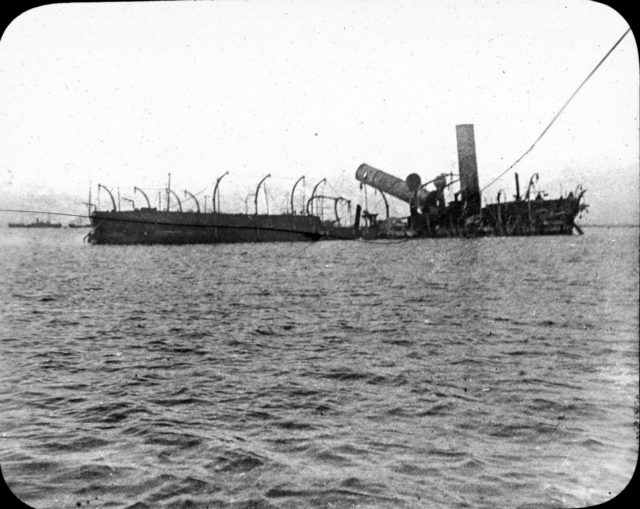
168 191
89 204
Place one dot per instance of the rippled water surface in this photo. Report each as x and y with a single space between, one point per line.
431 373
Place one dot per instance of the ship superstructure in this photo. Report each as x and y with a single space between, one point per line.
430 215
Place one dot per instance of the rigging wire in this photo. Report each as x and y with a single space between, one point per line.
44 212
203 190
559 112
334 189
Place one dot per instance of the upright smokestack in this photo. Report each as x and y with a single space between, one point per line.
468 168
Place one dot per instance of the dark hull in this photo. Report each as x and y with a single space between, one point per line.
515 218
155 227
149 226
535 217
35 225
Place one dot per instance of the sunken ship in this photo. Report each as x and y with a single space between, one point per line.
150 225
430 215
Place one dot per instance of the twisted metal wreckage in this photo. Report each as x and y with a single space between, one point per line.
430 215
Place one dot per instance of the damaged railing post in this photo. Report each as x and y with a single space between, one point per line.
176 197
143 194
258 189
193 198
133 205
113 201
216 194
293 210
313 194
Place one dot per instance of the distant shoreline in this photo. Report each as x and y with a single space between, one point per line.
610 225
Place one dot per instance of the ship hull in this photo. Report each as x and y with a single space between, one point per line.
515 218
534 217
150 226
35 225
156 227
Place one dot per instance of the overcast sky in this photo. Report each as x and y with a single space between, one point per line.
124 93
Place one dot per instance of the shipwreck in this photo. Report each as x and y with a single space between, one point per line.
430 215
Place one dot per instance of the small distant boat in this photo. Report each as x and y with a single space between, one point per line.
38 224
78 225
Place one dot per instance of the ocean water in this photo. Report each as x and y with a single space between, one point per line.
497 372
